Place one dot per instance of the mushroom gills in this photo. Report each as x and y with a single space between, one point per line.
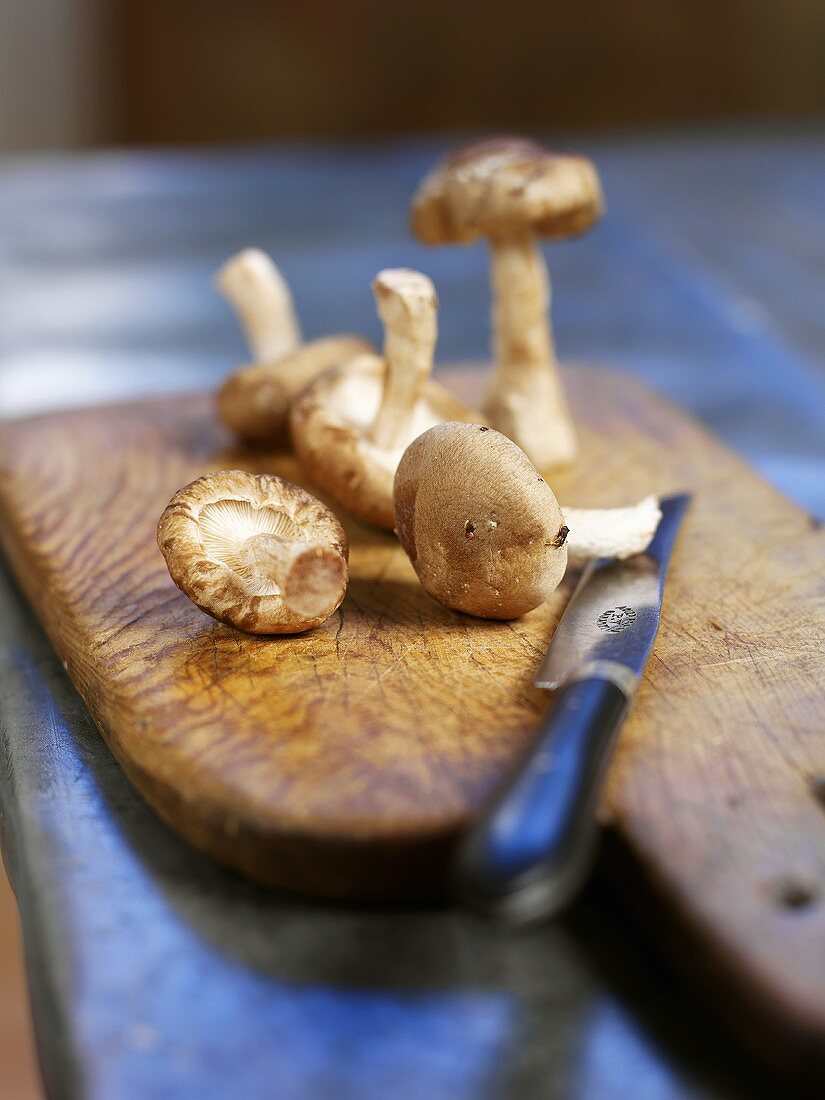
356 403
264 545
228 526
255 551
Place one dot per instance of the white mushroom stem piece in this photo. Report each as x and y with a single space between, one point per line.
255 552
612 532
255 400
512 190
261 298
351 426
483 529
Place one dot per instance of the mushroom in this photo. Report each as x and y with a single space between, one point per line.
512 190
260 296
484 531
255 552
255 400
351 426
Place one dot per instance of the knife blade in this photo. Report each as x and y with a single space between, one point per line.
533 845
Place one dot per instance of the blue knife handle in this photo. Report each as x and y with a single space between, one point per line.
533 846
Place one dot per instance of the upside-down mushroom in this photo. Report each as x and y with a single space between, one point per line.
255 552
484 531
255 400
262 300
512 190
351 426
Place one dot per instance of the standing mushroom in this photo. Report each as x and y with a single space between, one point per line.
484 531
351 426
255 400
255 552
512 190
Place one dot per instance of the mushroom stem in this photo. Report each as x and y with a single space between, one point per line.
260 296
407 306
525 399
521 286
309 575
612 532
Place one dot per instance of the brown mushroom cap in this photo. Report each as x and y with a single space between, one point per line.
255 552
505 185
484 532
331 423
255 400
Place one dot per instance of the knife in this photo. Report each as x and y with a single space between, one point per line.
533 845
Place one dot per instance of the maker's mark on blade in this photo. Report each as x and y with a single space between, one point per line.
616 619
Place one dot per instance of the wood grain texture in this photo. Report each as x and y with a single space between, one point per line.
342 762
18 1076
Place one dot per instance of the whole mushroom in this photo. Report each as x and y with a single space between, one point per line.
255 552
484 531
351 426
513 190
254 401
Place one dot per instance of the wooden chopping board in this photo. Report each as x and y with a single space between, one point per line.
343 762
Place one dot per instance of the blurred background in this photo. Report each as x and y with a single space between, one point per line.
84 74
77 73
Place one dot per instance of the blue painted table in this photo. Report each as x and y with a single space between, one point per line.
154 973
